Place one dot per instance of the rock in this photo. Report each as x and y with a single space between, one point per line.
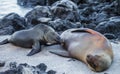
61 25
87 15
112 26
99 1
101 17
67 4
2 63
107 27
31 3
79 1
87 11
11 23
118 36
50 2
42 67
51 72
91 25
118 6
27 69
82 6
65 9
36 15
110 36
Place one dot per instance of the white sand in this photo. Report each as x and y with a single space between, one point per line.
11 53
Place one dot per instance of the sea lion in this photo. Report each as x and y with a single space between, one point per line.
34 37
88 46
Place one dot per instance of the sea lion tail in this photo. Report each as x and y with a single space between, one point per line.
4 42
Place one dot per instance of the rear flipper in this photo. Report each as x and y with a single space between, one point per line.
62 53
4 42
35 48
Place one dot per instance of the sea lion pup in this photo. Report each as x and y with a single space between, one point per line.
88 46
34 38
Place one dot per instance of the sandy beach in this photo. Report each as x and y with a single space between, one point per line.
11 53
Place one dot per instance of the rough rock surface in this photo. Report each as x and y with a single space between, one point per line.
62 25
31 3
66 10
99 15
27 69
37 13
11 23
111 26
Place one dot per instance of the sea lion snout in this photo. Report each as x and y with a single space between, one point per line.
98 63
91 60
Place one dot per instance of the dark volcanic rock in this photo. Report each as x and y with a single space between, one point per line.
31 3
11 23
2 63
27 69
66 10
61 25
118 7
50 2
101 17
87 11
37 13
91 25
112 26
110 36
79 1
98 1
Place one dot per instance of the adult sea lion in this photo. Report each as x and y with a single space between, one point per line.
88 46
34 37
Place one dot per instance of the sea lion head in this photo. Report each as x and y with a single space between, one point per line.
52 37
98 63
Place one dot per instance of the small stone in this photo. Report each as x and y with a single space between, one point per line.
2 63
51 72
42 67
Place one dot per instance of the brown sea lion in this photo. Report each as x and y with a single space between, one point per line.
34 37
88 46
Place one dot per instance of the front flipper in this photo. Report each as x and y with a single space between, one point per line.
62 53
35 48
4 42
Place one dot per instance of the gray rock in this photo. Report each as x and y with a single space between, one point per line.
112 26
31 3
2 63
27 69
35 16
65 9
61 25
11 23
